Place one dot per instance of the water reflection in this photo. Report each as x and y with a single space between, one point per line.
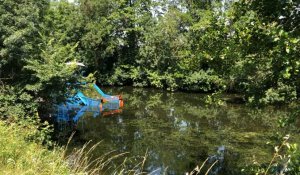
179 132
67 115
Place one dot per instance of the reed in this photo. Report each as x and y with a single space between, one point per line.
82 161
198 169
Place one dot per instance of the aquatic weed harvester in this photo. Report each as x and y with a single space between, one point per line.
86 98
79 104
80 99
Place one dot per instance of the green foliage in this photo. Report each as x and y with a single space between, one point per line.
205 81
50 73
285 161
18 155
294 153
242 46
15 103
35 48
63 21
18 30
248 47
121 75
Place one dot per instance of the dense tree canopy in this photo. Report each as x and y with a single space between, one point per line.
19 34
242 46
249 47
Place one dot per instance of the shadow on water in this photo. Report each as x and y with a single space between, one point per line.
176 130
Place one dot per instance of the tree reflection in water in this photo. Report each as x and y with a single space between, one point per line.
179 132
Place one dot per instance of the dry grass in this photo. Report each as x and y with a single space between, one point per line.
198 169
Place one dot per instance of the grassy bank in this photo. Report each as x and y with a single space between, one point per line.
23 151
21 154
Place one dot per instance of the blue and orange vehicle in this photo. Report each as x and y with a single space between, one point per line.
77 105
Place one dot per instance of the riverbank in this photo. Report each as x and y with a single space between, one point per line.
26 148
22 153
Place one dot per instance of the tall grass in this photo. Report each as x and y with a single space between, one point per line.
200 169
20 154
81 160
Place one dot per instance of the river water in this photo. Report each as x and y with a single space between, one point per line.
177 132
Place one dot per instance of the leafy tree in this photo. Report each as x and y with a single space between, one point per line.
19 35
50 74
264 47
33 58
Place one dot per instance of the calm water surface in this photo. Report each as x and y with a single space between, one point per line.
179 132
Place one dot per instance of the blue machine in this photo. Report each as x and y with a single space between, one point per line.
76 106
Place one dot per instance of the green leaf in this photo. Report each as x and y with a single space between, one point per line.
287 49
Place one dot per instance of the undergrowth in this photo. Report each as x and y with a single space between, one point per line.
25 150
21 155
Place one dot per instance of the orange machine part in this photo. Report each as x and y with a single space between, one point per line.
107 113
101 107
121 103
